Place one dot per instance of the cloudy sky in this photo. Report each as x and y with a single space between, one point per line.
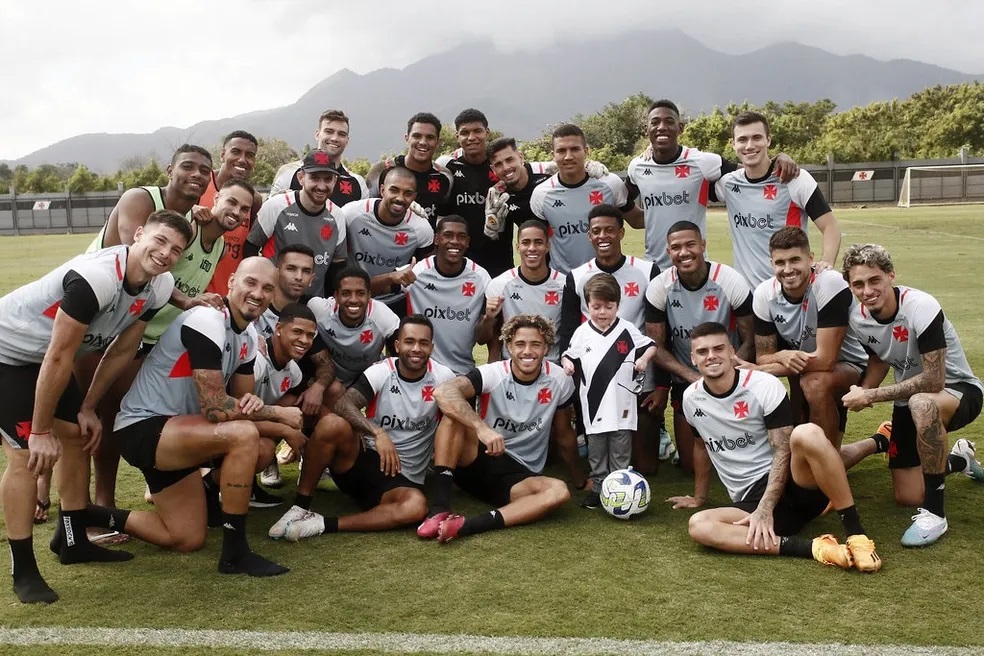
118 66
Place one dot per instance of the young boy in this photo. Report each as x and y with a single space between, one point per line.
599 351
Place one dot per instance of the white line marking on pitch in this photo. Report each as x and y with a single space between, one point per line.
410 643
903 229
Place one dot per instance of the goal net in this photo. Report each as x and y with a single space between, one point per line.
942 185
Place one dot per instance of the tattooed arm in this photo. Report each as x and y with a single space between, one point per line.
311 399
761 530
746 333
349 407
218 406
931 380
452 398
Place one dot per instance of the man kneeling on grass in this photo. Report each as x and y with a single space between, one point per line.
779 477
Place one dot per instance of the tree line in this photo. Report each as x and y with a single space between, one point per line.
933 123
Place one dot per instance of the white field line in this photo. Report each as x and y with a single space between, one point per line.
410 643
898 228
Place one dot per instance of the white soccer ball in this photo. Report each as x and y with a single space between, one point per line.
624 493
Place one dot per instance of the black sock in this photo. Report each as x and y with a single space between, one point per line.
303 501
443 479
881 443
234 545
935 485
331 524
22 558
71 543
112 518
955 464
795 546
209 482
29 585
489 521
851 521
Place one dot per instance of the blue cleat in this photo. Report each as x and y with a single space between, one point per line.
966 450
926 529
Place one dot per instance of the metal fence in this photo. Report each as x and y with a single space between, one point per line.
26 214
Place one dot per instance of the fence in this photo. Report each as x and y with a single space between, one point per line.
26 214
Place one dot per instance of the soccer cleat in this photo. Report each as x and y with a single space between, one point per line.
828 551
967 450
885 428
926 529
448 530
307 526
271 476
862 550
279 529
429 527
285 454
666 447
591 500
260 498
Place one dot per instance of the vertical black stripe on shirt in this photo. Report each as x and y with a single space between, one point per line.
605 373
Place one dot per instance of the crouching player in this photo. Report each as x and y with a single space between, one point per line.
778 477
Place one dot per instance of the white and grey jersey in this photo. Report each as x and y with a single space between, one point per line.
604 367
200 338
349 187
90 288
522 413
757 209
674 191
454 304
919 326
271 383
283 221
406 410
565 208
522 296
353 348
734 427
826 304
723 298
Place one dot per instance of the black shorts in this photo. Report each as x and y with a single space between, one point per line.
796 508
841 409
138 446
365 483
17 386
491 479
676 396
902 452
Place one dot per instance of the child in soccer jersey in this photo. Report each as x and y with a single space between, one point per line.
607 357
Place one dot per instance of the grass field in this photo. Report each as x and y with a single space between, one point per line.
578 573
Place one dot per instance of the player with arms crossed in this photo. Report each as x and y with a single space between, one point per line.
934 392
779 477
694 291
385 475
801 331
497 454
179 415
760 204
90 302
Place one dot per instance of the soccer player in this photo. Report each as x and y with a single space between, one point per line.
353 326
801 331
564 199
518 179
83 306
693 291
779 477
449 289
332 136
386 476
188 175
531 288
934 392
306 217
386 238
672 181
497 454
179 415
236 161
596 355
433 181
760 204
606 230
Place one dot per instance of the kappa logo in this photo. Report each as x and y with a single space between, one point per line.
513 208
458 174
558 203
676 303
395 390
430 286
779 318
735 189
699 413
873 340
510 396
365 232
290 227
647 172
331 332
515 296
587 349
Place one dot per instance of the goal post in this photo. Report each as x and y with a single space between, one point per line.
942 185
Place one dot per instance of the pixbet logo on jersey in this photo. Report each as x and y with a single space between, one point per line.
665 200
379 259
405 423
447 313
729 444
322 258
510 426
470 199
756 222
568 229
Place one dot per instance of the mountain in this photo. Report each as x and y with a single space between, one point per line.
523 93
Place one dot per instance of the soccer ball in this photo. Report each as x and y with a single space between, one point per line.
624 493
